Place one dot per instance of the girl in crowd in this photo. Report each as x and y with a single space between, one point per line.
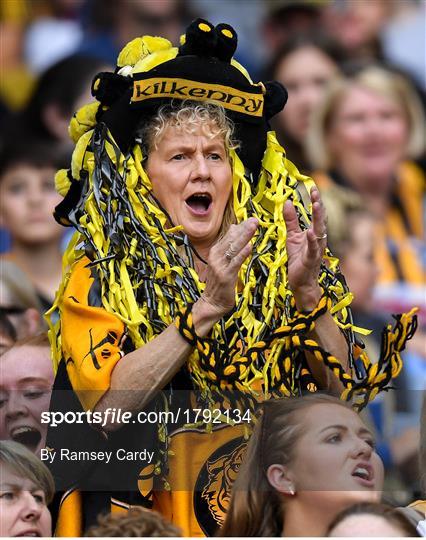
60 91
363 135
26 488
320 59
27 200
25 389
308 458
371 519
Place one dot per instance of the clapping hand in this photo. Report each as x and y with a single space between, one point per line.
305 251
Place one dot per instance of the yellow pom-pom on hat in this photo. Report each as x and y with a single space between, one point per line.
155 59
62 182
83 121
139 48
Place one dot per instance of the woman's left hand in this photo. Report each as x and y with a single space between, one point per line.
305 250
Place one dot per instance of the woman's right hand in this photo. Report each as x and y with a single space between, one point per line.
224 262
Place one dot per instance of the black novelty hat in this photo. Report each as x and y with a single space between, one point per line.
202 69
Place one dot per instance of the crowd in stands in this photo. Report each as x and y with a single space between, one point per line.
354 122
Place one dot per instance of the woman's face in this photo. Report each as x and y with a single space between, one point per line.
363 525
27 200
335 463
192 180
305 87
23 507
368 137
25 389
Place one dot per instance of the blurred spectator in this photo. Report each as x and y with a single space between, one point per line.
59 92
319 58
373 520
363 134
33 36
26 489
7 333
289 17
137 522
357 26
19 302
25 389
27 200
58 25
403 38
16 81
113 23
351 238
308 459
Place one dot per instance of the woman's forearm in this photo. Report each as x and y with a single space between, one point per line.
141 374
328 336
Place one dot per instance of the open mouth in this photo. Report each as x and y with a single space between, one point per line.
30 534
365 473
28 436
199 203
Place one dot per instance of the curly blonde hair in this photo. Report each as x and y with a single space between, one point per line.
188 117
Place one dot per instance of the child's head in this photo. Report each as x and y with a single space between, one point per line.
27 193
351 238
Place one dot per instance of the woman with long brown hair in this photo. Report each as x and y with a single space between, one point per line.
308 459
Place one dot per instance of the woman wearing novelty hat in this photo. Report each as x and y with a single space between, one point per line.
197 280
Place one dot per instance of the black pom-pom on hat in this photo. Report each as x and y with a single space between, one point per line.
200 39
227 41
202 71
108 88
275 98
